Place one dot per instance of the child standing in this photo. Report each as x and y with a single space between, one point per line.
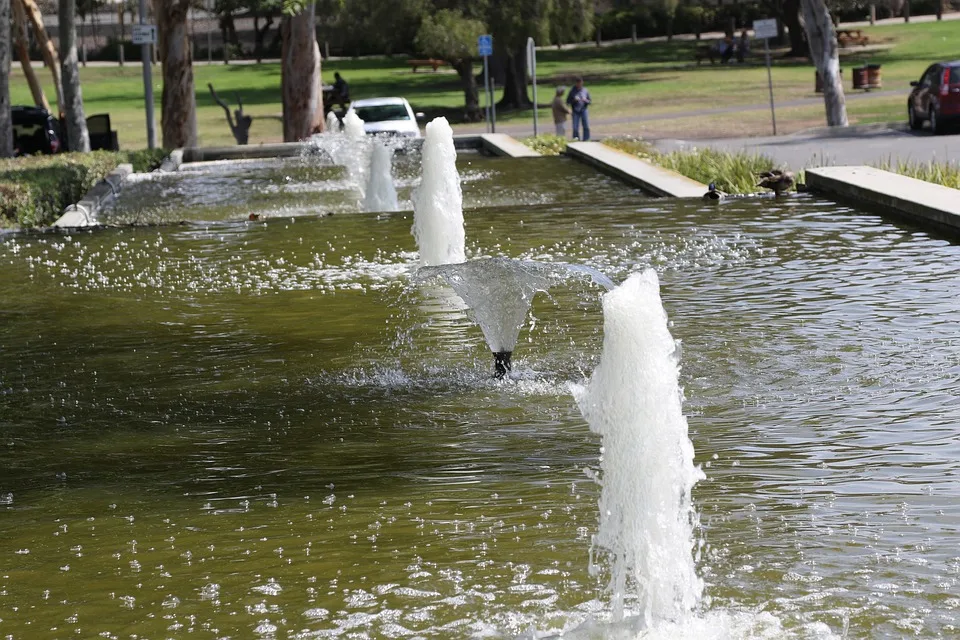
560 113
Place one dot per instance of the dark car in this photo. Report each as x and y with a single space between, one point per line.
935 97
34 131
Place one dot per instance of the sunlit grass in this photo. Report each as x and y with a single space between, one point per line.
732 172
942 173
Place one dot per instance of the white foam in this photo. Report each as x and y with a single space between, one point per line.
438 201
633 400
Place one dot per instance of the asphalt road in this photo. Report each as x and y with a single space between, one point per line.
871 144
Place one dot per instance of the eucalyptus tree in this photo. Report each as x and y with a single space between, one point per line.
511 22
300 87
451 36
178 117
78 138
6 126
822 37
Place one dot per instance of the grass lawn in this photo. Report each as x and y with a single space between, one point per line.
626 81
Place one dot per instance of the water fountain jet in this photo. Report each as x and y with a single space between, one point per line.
633 400
438 201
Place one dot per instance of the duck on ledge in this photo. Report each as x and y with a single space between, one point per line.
713 194
776 180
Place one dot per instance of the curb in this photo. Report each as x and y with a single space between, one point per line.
84 213
172 162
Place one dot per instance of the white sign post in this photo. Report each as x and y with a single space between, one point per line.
767 29
532 70
146 35
143 34
485 50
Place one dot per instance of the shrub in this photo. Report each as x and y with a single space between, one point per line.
547 144
35 190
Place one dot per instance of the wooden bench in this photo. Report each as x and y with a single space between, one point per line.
435 64
847 37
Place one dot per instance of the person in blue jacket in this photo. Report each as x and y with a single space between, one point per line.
579 101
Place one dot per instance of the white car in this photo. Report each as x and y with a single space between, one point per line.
391 116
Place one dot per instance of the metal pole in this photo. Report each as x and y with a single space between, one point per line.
533 69
209 46
773 113
147 59
486 88
493 105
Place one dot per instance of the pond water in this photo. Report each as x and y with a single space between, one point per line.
262 429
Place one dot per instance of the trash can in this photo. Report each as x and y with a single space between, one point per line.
818 87
860 78
874 81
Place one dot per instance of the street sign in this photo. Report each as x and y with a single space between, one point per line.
143 34
485 45
765 28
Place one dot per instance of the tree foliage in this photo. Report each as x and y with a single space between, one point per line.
449 35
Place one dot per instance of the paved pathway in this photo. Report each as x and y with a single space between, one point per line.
870 144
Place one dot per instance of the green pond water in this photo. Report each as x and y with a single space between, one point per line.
235 429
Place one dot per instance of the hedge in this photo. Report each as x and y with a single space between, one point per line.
34 190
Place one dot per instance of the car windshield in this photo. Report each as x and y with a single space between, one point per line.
382 112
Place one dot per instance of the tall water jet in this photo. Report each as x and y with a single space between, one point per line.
438 201
352 152
333 123
633 400
380 194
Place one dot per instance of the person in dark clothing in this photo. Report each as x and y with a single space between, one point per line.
341 91
579 101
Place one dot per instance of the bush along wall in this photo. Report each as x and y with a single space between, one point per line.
35 190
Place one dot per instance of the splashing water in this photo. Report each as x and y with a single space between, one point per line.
333 123
438 201
380 194
633 400
499 292
352 152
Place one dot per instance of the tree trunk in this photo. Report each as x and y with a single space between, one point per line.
823 49
178 105
259 35
471 96
49 52
300 77
515 82
6 126
670 28
791 18
78 139
22 43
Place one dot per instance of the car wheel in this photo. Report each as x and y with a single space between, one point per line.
935 124
912 119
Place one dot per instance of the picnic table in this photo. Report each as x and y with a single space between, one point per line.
846 37
430 62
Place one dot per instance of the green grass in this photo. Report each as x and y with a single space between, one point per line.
547 144
35 190
732 172
943 173
626 81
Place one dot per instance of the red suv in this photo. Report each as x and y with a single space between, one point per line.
935 97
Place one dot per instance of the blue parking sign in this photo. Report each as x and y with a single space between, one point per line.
485 45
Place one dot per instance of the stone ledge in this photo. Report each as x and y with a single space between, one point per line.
84 213
636 172
501 144
917 201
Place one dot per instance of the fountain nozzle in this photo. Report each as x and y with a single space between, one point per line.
501 363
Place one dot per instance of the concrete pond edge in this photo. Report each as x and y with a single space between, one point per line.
636 172
925 204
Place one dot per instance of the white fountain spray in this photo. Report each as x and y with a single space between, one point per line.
333 123
438 201
380 194
352 152
633 400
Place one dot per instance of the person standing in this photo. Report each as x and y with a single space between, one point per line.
579 101
341 90
560 112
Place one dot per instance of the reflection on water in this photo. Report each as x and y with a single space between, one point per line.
239 429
